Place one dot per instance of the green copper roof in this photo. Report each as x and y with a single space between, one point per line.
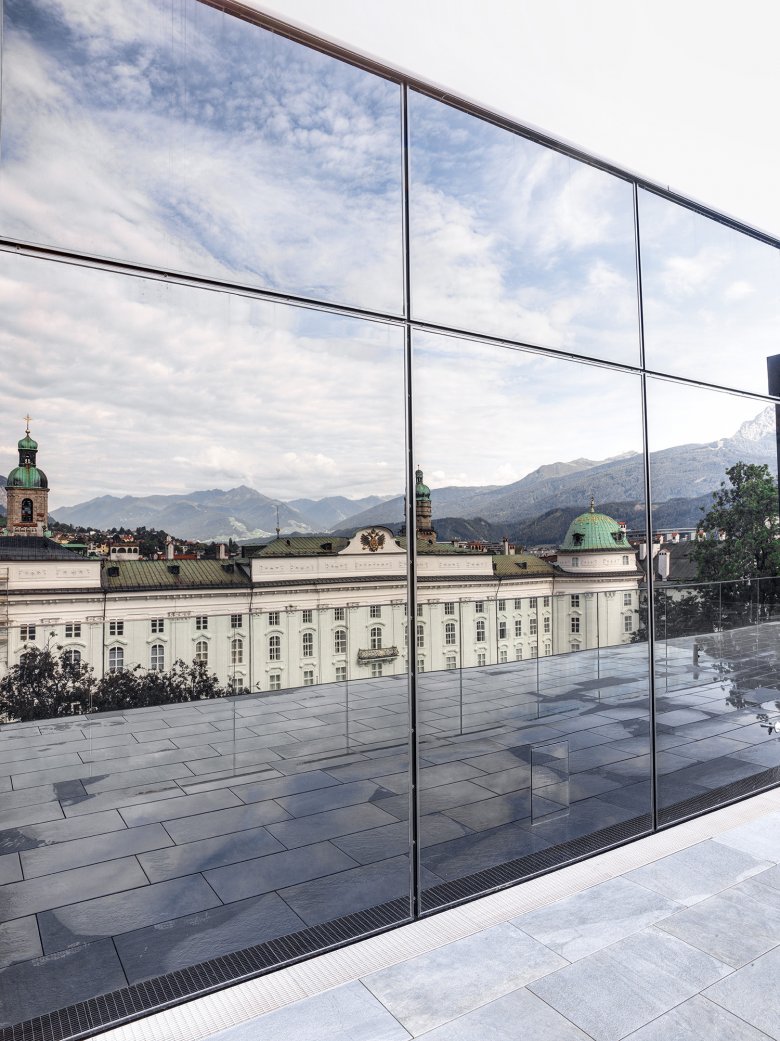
421 491
26 477
27 444
520 565
594 531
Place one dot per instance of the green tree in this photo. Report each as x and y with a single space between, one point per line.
45 684
745 510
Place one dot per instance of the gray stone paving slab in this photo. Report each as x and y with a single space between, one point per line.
274 787
366 847
107 916
356 889
751 993
58 980
329 825
222 822
18 899
698 872
349 794
622 987
19 941
18 816
517 1016
123 797
492 813
476 852
62 830
10 868
208 934
694 1020
180 806
267 873
347 1013
585 922
367 768
759 838
213 782
736 926
108 782
45 860
208 853
434 988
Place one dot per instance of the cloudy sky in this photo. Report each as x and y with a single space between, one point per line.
167 134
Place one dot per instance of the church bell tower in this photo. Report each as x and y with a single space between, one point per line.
27 492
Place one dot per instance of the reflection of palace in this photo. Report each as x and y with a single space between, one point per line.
305 610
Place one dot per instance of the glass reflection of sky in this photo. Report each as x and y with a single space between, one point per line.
143 387
488 415
515 239
711 297
171 134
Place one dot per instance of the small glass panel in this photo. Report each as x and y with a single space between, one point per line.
716 560
511 238
169 133
709 295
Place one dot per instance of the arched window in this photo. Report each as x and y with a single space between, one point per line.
480 631
376 637
72 656
340 641
449 633
237 651
202 651
307 645
27 511
157 657
275 648
116 659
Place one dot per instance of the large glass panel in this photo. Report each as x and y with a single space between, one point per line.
172 134
711 297
534 685
511 238
716 558
203 698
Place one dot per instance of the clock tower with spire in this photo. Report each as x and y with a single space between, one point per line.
27 492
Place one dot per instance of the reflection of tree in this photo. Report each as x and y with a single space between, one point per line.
745 512
45 685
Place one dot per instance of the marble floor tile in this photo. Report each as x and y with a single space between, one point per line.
759 838
625 986
735 926
581 924
697 1019
750 993
347 1013
697 872
515 1016
434 988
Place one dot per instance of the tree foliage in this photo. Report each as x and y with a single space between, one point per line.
745 511
46 684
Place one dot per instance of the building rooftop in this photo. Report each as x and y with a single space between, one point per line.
171 574
33 547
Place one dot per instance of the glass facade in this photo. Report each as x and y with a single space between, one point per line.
422 489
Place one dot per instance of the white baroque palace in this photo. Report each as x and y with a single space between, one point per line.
306 610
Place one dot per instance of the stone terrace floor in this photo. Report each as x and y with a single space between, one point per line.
136 843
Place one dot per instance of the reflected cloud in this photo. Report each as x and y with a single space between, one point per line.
175 135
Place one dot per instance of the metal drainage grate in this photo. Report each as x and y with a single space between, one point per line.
96 1014
535 863
718 797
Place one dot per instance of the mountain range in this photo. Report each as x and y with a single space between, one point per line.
682 479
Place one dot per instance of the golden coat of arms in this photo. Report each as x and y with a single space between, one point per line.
372 540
